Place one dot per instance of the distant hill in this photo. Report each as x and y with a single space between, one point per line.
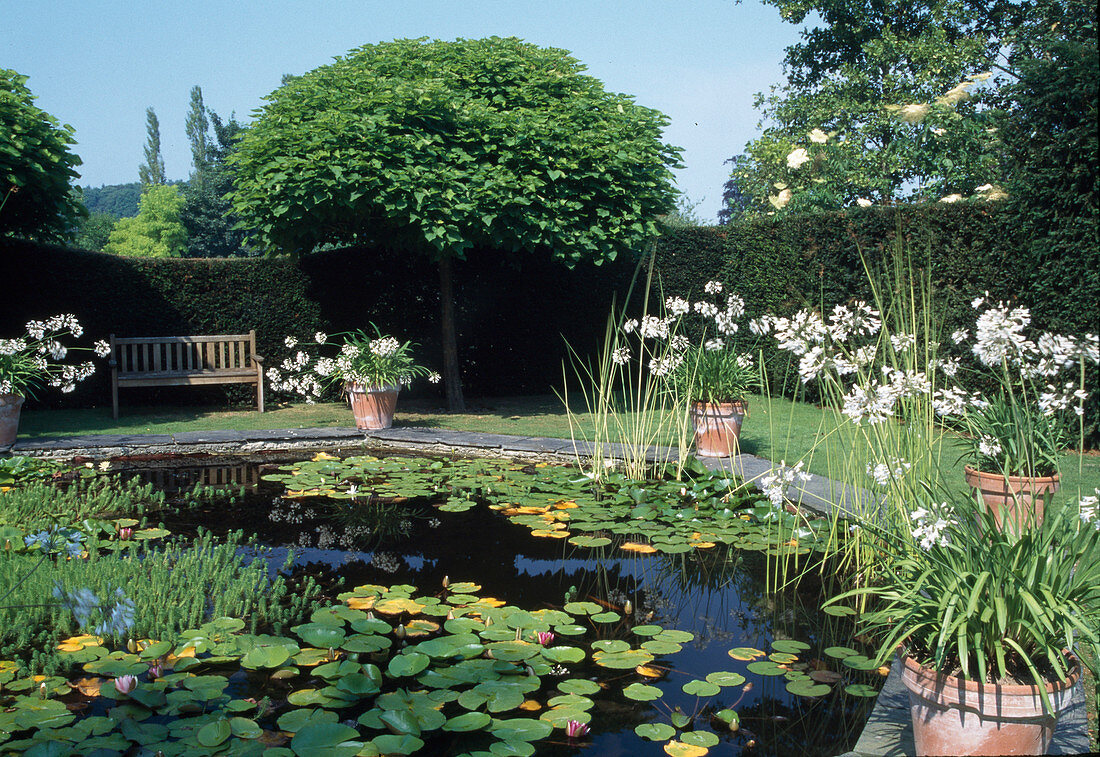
119 200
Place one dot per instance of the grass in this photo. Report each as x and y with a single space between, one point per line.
775 429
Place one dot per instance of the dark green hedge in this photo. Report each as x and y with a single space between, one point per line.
145 297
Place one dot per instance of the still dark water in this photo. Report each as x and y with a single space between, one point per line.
720 595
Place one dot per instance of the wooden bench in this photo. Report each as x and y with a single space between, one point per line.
186 361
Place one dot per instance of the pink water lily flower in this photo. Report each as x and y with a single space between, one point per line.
125 684
545 637
125 533
575 729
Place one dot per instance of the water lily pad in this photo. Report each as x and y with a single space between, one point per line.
583 608
607 617
521 729
783 658
647 630
807 687
704 739
590 541
640 692
659 646
655 731
840 653
701 688
680 749
563 654
622 660
825 676
578 686
320 635
766 668
725 678
470 721
570 629
396 743
407 664
611 645
790 646
859 662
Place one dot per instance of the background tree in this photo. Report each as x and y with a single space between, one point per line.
151 172
36 166
197 127
446 146
156 231
119 200
207 213
842 79
94 231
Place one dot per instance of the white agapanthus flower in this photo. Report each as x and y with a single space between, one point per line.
873 403
799 332
713 287
775 484
762 326
1089 508
630 325
320 337
621 355
679 343
725 323
999 334
903 341
812 364
677 306
706 309
102 348
434 377
930 528
989 446
885 472
652 327
291 342
712 345
385 346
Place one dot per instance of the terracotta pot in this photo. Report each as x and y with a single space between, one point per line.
10 407
717 427
373 406
1022 498
956 716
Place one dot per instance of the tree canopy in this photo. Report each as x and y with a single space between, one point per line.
156 231
36 166
898 96
449 145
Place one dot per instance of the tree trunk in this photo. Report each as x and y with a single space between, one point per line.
452 379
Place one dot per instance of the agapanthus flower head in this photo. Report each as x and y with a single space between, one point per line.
713 287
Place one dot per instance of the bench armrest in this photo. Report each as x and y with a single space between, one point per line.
257 358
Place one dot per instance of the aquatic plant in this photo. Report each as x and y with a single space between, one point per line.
41 504
171 587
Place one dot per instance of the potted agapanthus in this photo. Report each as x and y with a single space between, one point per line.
36 360
1014 438
985 621
370 370
713 376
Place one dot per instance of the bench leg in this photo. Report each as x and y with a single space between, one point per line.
260 392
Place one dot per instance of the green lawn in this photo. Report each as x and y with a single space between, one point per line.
775 429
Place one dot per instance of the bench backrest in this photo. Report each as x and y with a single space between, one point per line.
182 354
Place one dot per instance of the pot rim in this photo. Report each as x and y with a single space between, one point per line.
357 388
700 404
984 475
934 679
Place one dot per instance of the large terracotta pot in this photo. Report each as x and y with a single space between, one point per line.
956 716
1021 498
717 427
10 407
373 406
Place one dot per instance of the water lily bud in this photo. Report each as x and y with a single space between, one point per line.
370 615
489 654
42 691
131 646
399 632
628 607
156 670
446 581
488 622
332 653
450 615
7 544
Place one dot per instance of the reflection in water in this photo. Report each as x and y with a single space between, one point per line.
718 594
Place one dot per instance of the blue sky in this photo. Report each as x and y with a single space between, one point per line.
98 64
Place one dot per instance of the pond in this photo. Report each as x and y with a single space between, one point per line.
630 564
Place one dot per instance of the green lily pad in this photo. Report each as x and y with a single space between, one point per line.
407 664
563 654
766 668
701 688
622 660
860 690
647 630
321 635
655 731
640 692
790 646
840 653
745 653
578 686
470 721
704 739
583 608
807 687
213 734
521 729
725 678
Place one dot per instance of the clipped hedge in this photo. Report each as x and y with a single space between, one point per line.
147 297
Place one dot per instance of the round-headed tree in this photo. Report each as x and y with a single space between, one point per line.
443 147
36 166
